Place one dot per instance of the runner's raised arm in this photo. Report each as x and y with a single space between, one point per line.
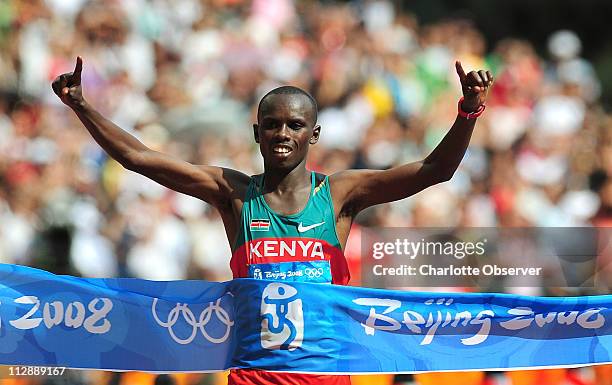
211 184
355 190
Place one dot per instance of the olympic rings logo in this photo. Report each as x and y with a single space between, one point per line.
313 272
189 317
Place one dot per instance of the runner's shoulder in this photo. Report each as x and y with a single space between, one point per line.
232 184
345 185
235 180
346 179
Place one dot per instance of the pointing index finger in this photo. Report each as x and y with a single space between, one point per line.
76 75
460 72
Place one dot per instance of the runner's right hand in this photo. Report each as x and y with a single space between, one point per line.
68 86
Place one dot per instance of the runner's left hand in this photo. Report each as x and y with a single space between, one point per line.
475 86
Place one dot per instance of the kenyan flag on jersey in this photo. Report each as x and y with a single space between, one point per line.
260 224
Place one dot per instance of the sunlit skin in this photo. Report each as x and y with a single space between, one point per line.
284 121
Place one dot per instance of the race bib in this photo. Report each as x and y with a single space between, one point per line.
314 272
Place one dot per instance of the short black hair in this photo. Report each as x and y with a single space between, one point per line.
290 90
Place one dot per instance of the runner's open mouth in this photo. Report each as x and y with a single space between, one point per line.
281 149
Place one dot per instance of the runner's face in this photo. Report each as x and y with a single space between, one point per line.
285 129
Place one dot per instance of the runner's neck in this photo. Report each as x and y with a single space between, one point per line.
297 179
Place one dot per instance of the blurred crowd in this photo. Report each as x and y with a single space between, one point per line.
185 77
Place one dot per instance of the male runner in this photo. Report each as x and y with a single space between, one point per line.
287 223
